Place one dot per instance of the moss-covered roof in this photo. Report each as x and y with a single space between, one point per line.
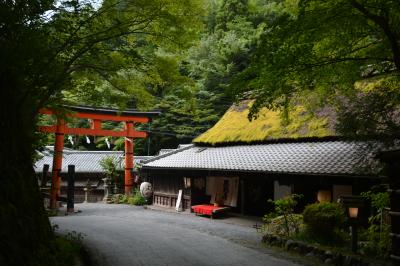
235 127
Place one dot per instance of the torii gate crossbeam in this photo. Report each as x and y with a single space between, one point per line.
97 116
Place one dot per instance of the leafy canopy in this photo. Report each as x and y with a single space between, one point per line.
322 46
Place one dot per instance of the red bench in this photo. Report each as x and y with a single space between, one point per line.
211 210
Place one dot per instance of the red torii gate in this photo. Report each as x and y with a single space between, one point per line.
97 116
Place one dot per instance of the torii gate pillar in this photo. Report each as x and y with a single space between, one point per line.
57 163
128 159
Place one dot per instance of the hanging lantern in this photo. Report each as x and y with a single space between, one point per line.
324 196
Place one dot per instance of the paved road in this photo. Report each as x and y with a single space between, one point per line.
125 235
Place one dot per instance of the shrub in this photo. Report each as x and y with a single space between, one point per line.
119 198
288 224
378 233
279 226
324 218
137 198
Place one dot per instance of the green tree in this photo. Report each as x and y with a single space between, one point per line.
325 47
111 166
188 86
224 49
185 114
193 103
45 49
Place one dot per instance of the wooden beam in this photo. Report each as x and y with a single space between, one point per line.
95 132
107 117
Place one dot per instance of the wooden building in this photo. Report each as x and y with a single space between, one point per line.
243 163
87 168
246 176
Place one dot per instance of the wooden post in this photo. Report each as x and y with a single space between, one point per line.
128 159
44 175
71 188
392 158
354 237
242 195
394 194
57 164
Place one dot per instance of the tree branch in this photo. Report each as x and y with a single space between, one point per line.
384 24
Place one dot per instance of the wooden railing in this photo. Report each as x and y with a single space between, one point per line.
169 200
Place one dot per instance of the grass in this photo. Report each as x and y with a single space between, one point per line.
69 251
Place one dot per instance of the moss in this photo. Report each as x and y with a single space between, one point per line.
386 82
235 126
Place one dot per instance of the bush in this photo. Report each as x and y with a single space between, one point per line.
137 198
324 218
119 198
378 233
279 226
288 224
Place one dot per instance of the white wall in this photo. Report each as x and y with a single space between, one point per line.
281 191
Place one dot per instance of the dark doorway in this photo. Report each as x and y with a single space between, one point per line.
257 191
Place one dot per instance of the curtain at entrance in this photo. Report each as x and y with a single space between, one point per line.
224 188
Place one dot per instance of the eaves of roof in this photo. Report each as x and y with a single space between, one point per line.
175 151
211 170
330 158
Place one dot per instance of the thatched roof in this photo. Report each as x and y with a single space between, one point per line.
235 127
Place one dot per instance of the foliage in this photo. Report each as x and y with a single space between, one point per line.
289 222
67 251
372 109
111 166
279 226
193 100
377 233
324 219
188 86
55 52
379 200
119 198
339 239
68 247
137 198
225 44
323 47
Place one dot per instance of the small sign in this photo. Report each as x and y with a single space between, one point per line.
178 200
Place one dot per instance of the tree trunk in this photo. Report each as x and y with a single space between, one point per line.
383 23
26 237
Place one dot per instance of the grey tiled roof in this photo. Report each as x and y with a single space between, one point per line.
84 161
165 151
326 157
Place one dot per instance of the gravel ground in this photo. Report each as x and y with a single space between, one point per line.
126 235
